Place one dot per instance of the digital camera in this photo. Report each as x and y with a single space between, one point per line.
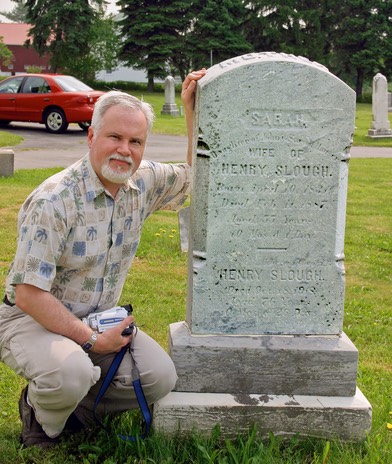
109 318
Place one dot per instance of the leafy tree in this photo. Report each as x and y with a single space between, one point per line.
216 32
68 31
103 44
5 53
150 32
18 14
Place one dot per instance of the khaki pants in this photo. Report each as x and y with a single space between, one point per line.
62 377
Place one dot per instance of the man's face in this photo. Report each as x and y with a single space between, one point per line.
116 150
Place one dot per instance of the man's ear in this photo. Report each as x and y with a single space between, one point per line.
90 136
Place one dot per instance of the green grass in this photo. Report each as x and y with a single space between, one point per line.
9 140
157 288
363 119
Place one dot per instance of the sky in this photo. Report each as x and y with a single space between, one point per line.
8 5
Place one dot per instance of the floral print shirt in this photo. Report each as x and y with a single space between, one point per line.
78 242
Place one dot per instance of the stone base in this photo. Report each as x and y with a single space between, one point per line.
379 133
346 418
272 364
171 109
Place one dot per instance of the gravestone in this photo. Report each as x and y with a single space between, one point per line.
6 162
183 226
170 106
262 341
380 126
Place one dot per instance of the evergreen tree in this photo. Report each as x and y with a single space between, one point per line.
64 29
352 37
300 27
150 34
216 32
359 38
386 37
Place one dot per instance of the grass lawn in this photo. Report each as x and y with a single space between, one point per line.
157 288
363 119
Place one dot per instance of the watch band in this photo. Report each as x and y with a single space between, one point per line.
90 342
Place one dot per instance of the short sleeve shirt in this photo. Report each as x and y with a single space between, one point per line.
77 242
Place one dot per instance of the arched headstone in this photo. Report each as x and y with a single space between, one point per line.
263 334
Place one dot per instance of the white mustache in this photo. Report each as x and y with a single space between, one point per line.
118 157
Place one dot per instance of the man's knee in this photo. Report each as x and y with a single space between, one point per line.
157 371
160 380
65 385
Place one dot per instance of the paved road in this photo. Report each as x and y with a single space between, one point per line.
41 149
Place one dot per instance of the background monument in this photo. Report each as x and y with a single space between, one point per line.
262 341
380 126
170 106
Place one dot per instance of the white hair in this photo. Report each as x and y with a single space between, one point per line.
115 97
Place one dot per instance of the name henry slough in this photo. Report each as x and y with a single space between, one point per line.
290 275
260 170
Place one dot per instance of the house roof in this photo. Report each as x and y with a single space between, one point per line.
14 33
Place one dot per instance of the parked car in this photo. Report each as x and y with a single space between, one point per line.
51 99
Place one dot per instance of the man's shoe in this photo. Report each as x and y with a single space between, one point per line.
74 425
32 432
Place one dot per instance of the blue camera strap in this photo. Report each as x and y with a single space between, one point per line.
141 399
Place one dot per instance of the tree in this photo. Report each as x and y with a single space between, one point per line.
150 30
18 14
386 37
103 44
359 40
351 37
216 32
300 27
67 31
5 53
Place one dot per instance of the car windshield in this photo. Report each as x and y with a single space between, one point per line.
71 84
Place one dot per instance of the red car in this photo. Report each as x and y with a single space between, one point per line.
51 99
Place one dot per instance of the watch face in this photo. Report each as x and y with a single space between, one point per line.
90 343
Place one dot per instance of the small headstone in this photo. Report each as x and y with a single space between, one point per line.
380 126
6 162
183 223
263 341
170 106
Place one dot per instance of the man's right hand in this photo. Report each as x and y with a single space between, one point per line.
112 340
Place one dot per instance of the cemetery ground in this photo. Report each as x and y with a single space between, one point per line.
157 288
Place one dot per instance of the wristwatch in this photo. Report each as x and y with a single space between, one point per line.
90 342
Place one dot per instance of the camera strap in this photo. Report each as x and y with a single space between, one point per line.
141 399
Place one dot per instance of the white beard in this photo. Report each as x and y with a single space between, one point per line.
119 175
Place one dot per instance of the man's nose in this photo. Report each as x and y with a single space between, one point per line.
124 149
